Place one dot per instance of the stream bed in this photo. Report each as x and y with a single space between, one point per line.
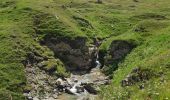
76 87
79 86
89 82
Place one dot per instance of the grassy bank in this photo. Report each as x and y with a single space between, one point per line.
23 23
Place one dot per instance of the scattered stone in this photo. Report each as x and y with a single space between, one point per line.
137 75
40 81
61 85
55 90
55 96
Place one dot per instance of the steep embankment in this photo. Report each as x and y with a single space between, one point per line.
47 37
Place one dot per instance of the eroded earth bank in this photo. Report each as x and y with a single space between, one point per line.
81 63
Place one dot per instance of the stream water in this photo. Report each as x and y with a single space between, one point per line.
95 78
76 87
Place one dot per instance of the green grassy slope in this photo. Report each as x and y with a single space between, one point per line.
24 22
151 33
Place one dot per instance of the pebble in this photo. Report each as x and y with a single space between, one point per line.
55 96
55 90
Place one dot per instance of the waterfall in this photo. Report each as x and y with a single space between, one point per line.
98 64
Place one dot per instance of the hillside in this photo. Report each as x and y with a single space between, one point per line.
54 37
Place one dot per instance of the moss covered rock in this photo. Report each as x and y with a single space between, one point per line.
53 66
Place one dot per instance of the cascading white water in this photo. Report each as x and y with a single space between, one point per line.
73 89
98 64
93 77
94 49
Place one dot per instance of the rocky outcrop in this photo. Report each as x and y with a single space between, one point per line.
73 52
42 85
119 49
116 53
137 75
42 73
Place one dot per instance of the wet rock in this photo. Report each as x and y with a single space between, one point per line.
55 90
27 90
60 81
90 89
80 89
62 85
60 88
71 90
75 80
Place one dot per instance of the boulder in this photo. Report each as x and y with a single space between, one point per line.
90 89
80 89
61 85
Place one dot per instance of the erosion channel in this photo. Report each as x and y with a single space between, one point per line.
80 60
